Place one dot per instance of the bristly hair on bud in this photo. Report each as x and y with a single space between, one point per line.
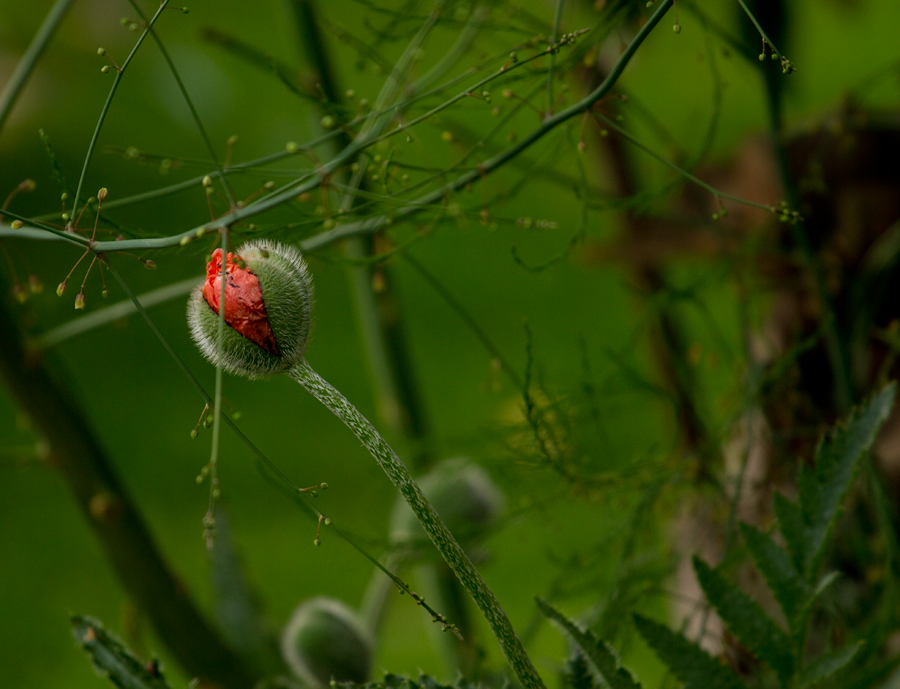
268 309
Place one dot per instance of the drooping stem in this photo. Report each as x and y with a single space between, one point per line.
443 540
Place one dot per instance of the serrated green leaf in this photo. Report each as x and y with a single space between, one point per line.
790 522
112 659
595 650
578 673
820 588
392 681
690 663
826 665
747 620
822 489
777 569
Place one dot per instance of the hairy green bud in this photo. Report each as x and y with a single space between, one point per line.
268 309
324 642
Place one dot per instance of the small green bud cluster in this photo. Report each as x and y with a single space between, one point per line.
785 214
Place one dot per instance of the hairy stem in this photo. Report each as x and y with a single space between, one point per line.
443 540
395 387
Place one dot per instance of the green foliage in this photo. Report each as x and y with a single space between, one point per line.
747 620
822 488
392 681
602 657
777 569
112 659
405 156
828 664
578 673
807 528
690 663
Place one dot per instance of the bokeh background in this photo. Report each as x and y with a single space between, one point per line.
588 321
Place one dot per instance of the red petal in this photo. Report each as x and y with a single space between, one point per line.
245 310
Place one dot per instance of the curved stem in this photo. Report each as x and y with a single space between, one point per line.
443 540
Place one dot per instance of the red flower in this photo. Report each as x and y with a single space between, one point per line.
245 310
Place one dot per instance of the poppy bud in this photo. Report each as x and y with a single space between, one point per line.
462 494
268 307
324 641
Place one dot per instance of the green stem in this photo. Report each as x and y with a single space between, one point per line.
190 103
453 554
373 224
759 28
111 514
112 92
553 39
26 65
378 314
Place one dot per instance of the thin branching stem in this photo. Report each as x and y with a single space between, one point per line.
375 223
190 103
112 92
553 39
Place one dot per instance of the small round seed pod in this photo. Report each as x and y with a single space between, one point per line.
324 641
268 309
462 494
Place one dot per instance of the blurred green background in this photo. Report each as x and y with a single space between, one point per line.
579 310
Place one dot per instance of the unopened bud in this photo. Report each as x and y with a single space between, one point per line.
16 224
268 335
61 289
20 293
149 265
79 301
324 642
35 284
101 195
